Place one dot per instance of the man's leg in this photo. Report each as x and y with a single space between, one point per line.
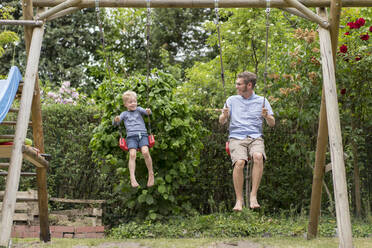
132 167
148 161
256 178
238 179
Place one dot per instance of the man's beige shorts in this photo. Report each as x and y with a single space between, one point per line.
239 149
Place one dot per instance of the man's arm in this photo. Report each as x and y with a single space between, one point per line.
270 120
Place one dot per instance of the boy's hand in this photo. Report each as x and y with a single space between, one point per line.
117 118
148 111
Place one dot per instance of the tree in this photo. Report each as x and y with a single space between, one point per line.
7 37
68 47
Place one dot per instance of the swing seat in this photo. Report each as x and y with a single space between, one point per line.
227 148
123 143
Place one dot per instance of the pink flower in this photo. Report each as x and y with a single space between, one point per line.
66 84
347 33
357 58
343 49
364 36
370 29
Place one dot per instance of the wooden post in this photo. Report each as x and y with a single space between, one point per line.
335 141
201 3
12 181
320 155
316 193
38 136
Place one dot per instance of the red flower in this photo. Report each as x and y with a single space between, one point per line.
343 49
364 36
357 58
343 91
360 22
347 33
351 25
370 29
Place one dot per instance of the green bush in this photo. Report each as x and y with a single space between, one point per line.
67 133
175 155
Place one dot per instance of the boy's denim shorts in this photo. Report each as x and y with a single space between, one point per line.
137 141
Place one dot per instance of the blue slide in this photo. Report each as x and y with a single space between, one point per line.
8 90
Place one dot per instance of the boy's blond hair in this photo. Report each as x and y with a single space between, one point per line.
129 94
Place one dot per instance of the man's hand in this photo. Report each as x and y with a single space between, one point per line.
148 111
264 113
117 118
269 118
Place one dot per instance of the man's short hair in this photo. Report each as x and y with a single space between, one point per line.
248 77
129 94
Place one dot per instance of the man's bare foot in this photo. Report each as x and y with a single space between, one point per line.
133 183
238 206
253 203
150 181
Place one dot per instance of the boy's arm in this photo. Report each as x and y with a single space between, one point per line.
144 111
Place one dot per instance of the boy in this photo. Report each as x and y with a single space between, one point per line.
137 136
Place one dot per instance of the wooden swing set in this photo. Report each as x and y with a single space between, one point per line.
329 121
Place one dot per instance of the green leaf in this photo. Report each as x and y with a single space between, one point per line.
161 189
168 178
149 199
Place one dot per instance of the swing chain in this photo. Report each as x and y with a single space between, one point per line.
217 22
148 57
107 59
266 48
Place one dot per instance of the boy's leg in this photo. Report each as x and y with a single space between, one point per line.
256 178
148 161
238 180
132 167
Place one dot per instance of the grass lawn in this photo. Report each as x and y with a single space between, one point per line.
277 242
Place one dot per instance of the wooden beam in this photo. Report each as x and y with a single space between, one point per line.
201 3
63 13
21 22
58 8
34 157
30 195
64 200
335 141
5 151
12 181
307 12
295 12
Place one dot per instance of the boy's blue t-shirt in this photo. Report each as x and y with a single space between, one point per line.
245 116
133 121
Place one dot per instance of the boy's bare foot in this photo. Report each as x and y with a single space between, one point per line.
150 181
238 206
254 203
133 183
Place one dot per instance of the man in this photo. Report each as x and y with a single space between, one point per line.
246 111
